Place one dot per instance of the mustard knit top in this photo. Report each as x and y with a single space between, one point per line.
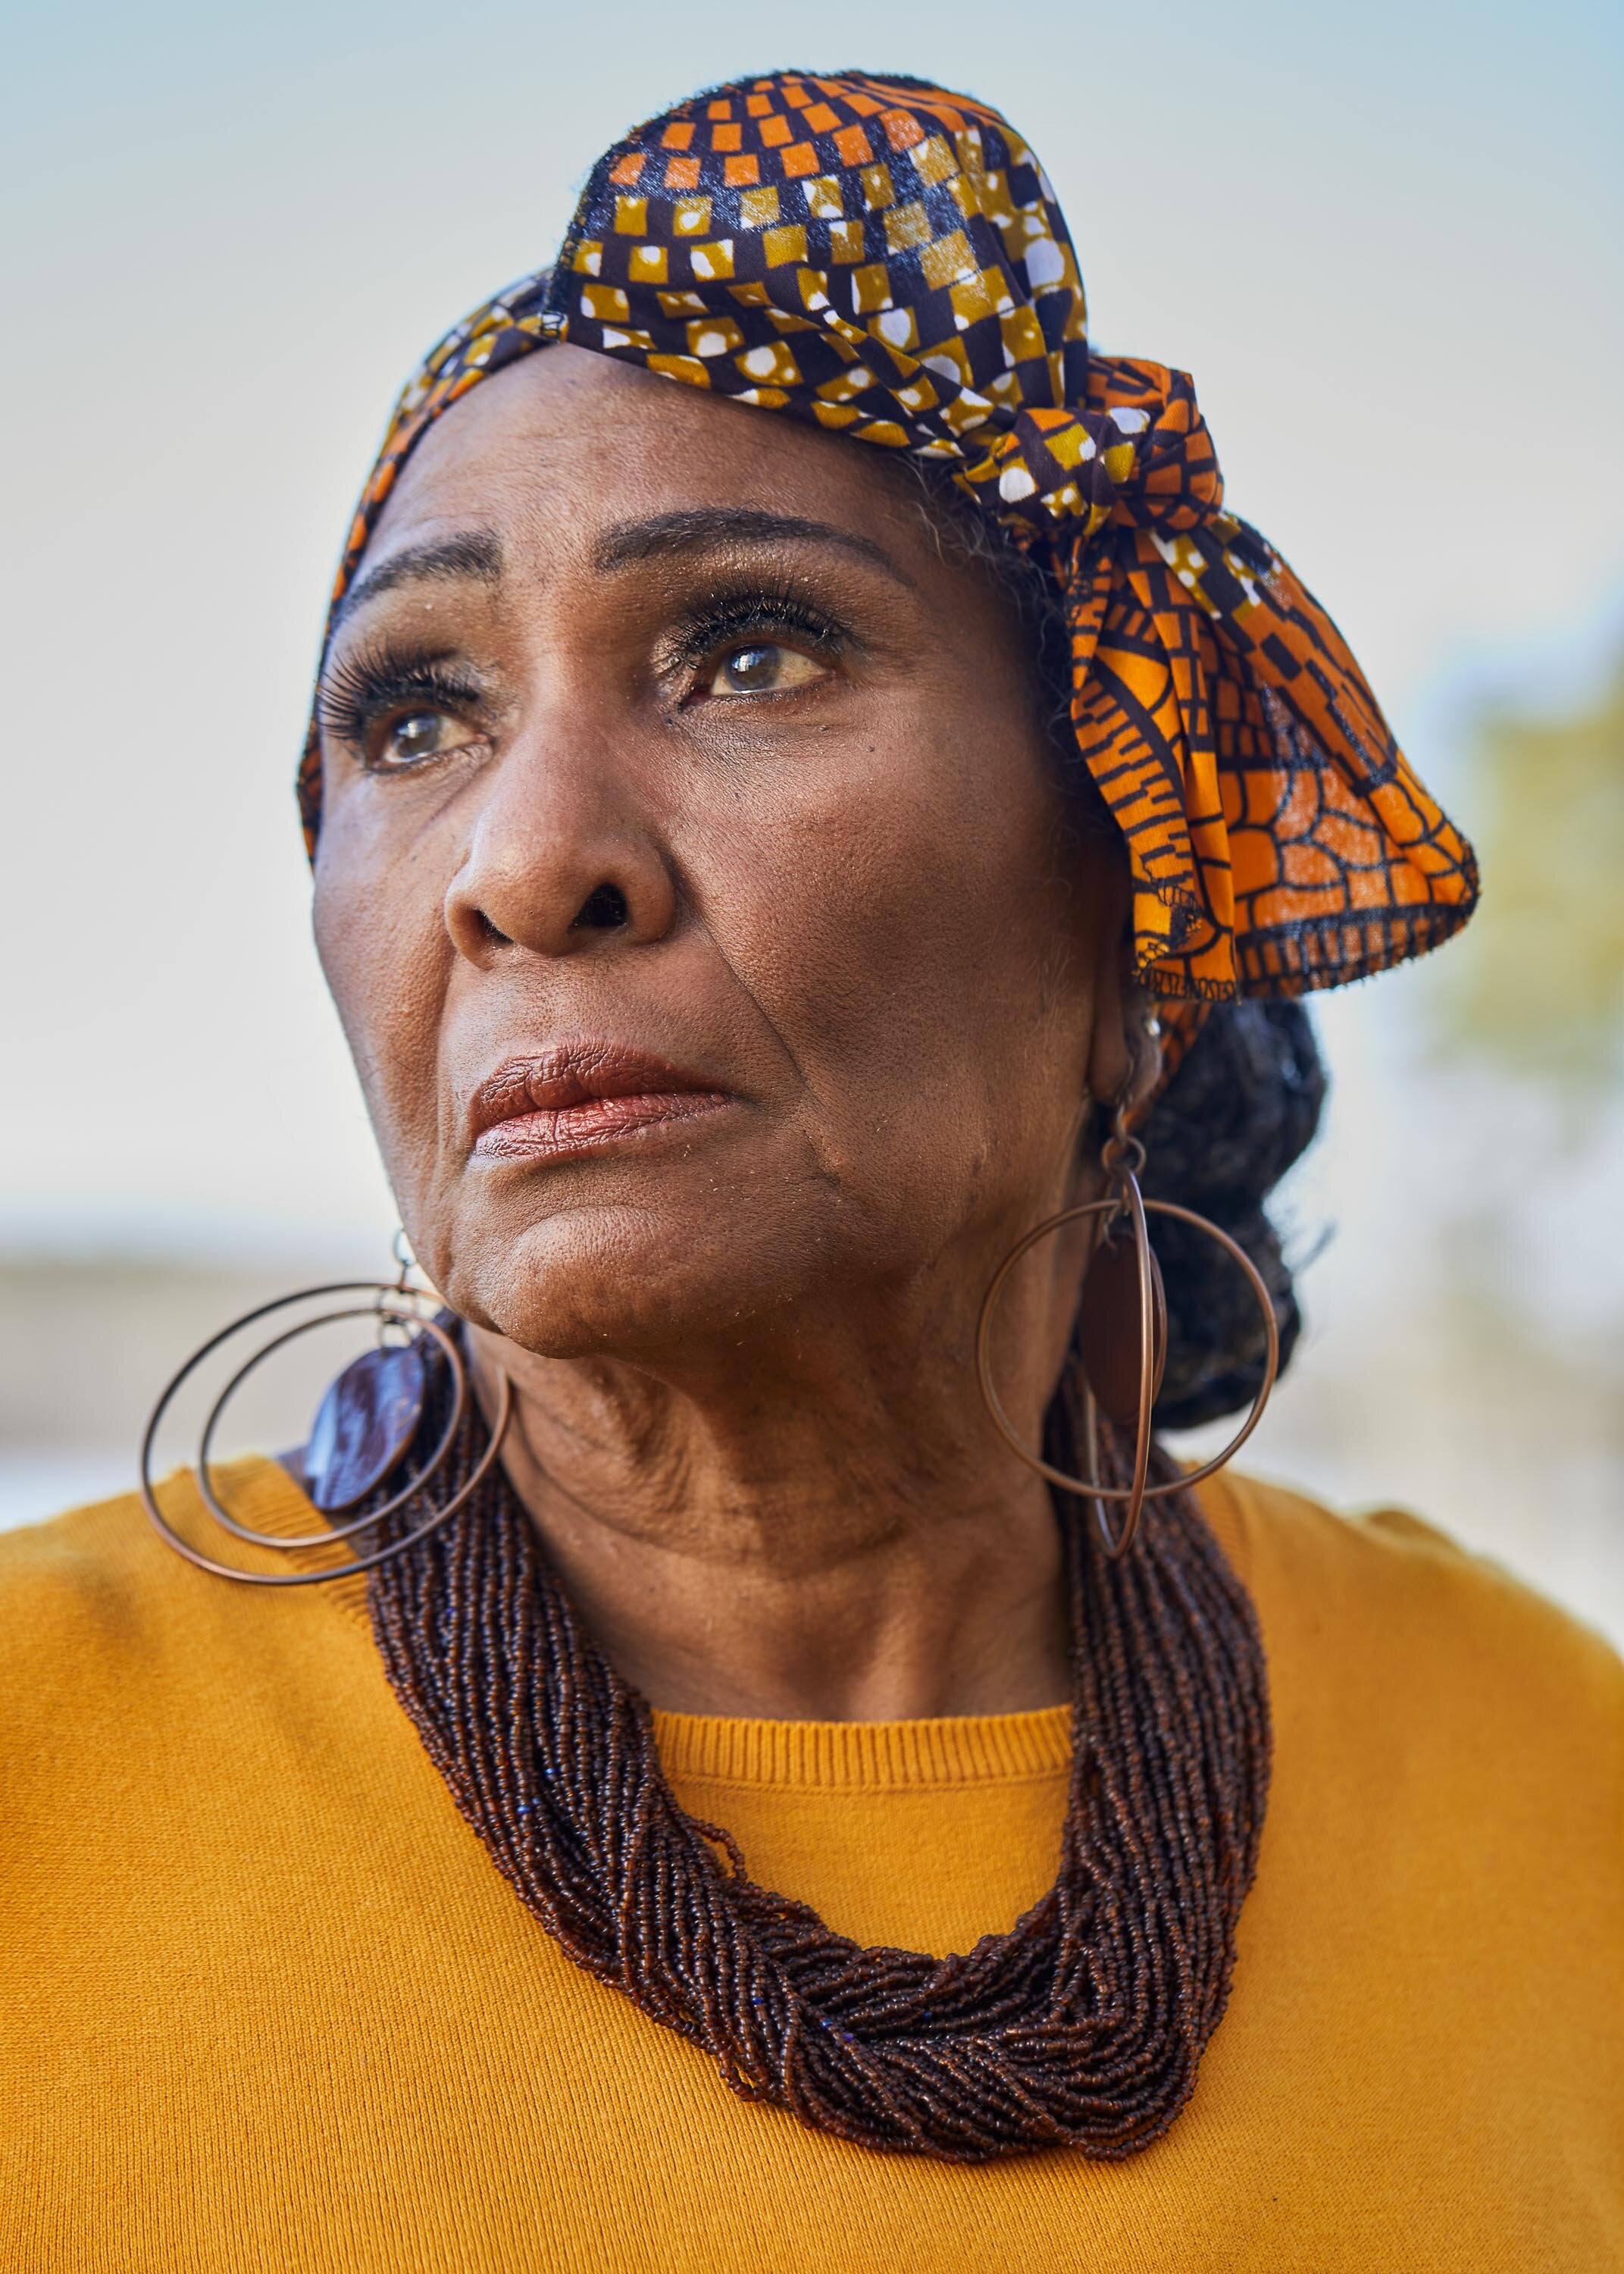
265 2002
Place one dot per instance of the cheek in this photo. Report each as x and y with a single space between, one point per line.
900 913
381 939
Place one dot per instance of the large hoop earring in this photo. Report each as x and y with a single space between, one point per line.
398 1305
1122 1156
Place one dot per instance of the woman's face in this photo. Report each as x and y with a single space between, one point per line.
693 881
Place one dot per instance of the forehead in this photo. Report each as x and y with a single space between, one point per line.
565 442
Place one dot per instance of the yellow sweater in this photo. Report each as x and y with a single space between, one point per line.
264 2003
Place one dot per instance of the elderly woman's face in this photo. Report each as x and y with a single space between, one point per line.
694 883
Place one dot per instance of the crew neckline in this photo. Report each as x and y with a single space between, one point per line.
866 1756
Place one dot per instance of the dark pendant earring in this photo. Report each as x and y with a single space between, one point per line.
1122 1338
364 1431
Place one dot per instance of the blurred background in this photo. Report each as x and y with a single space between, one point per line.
1386 241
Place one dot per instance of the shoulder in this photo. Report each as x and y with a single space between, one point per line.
76 1578
1390 1566
95 1563
1389 1586
1387 1624
97 1614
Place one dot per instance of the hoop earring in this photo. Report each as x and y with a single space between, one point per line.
1123 1157
396 1305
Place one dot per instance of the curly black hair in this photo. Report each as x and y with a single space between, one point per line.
1247 1100
1240 1109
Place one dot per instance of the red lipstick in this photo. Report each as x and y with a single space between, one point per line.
579 1096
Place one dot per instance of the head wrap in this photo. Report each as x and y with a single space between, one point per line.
887 260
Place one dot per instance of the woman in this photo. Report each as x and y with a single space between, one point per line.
748 867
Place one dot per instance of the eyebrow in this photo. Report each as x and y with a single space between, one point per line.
709 528
475 552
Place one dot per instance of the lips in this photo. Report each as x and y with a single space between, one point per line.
579 1096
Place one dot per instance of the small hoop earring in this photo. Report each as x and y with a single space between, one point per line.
1121 1157
398 1304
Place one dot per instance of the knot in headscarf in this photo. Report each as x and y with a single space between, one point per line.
886 261
1064 474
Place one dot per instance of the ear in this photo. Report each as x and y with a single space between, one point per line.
1125 1055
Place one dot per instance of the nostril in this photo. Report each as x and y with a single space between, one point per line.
603 910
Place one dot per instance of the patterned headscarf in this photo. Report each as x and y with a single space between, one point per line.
887 260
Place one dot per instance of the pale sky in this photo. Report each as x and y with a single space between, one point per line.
1384 240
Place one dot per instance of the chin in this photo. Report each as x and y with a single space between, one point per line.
616 1277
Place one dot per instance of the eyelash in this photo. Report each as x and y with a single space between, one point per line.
361 689
727 620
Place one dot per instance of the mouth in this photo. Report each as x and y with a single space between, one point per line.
579 1097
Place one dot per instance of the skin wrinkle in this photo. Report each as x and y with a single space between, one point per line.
750 1437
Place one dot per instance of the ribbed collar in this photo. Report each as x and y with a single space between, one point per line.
866 1756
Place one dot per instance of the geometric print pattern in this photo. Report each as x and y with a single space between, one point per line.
886 261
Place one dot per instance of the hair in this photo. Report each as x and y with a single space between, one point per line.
1244 1102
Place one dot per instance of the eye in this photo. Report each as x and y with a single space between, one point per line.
398 708
763 667
420 734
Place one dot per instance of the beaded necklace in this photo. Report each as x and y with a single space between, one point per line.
1081 2027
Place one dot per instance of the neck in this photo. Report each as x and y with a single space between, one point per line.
838 1540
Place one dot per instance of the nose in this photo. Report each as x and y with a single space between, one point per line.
561 861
